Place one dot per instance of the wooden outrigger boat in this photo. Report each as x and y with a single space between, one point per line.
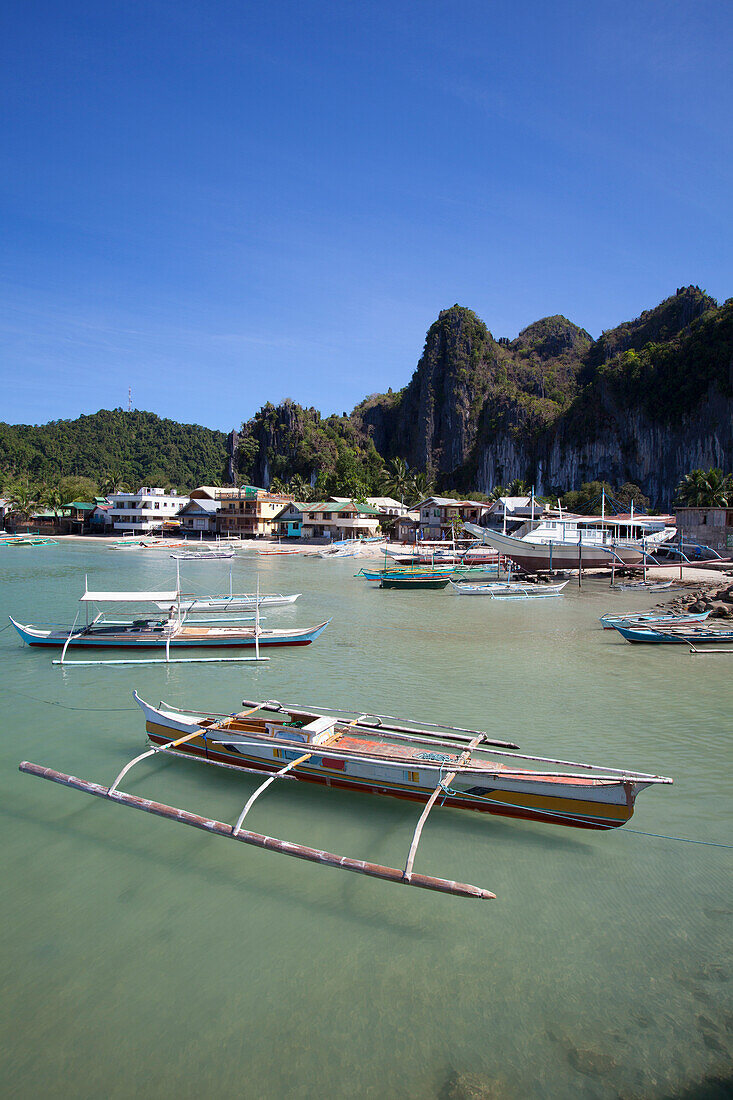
653 618
379 755
233 601
408 582
643 586
509 590
174 631
206 555
693 634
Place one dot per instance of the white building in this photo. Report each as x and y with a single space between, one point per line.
145 511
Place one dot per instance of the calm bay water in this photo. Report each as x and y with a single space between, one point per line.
139 957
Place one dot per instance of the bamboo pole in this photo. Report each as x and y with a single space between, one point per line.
282 847
465 756
272 704
283 771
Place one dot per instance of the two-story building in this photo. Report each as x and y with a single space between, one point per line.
251 513
145 512
443 517
339 520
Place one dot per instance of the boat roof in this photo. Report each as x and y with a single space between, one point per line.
129 597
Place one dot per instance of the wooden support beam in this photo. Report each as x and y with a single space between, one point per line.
283 847
464 757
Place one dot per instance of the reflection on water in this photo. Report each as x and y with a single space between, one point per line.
141 957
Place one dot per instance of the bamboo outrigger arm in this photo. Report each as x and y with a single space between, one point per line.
442 787
283 771
284 847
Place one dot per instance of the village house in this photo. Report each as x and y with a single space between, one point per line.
711 527
146 511
250 512
200 516
508 514
339 520
443 517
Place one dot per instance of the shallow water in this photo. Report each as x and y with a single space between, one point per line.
140 957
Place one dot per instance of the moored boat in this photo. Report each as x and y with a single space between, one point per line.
368 754
691 634
653 618
505 590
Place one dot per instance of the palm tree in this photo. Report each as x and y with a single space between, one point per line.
706 489
397 480
422 485
497 492
24 500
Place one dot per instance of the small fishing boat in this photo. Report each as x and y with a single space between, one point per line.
653 618
27 540
173 631
508 590
428 763
428 571
643 586
414 582
279 550
205 555
237 601
692 635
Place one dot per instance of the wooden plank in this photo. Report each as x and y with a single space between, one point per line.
282 847
465 756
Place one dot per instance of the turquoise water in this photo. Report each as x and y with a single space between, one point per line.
141 957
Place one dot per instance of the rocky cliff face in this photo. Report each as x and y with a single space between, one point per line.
647 402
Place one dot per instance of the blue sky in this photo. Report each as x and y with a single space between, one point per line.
220 204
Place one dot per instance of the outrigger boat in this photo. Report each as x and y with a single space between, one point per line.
643 586
376 754
414 582
653 618
206 555
509 590
153 631
692 635
237 601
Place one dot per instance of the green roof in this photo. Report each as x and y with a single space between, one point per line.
81 505
361 509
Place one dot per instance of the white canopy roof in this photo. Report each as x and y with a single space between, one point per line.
129 597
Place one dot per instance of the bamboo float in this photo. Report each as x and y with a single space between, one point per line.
159 661
257 840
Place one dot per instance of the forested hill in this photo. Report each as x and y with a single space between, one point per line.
134 448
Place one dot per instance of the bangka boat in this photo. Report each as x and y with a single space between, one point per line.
205 555
653 618
414 582
691 634
173 631
505 590
643 586
270 552
237 601
427 763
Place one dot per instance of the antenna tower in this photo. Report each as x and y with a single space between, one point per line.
129 399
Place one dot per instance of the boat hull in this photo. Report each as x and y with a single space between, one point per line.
216 638
579 804
537 557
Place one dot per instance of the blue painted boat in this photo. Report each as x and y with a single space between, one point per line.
693 635
161 633
652 618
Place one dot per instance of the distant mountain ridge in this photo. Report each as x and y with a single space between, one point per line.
648 401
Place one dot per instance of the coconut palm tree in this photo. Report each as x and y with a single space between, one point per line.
398 479
422 485
706 489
